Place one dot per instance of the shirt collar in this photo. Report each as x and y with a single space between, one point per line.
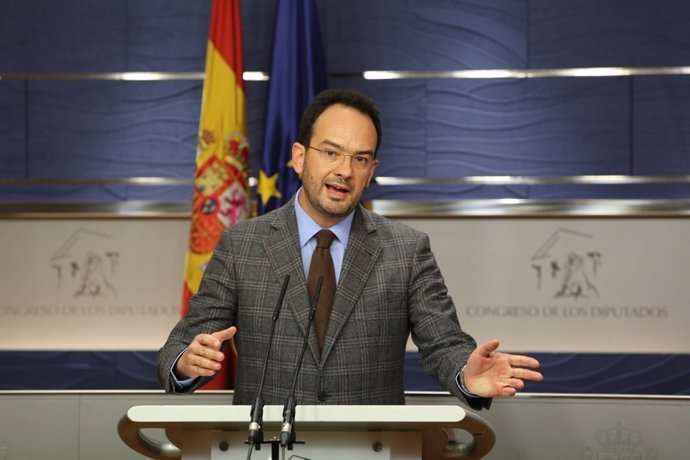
307 227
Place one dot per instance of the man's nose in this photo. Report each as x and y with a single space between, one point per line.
344 166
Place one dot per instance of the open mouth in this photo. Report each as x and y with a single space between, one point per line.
337 190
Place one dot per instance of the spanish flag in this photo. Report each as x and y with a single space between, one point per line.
221 190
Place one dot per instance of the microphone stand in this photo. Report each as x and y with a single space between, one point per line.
287 431
256 435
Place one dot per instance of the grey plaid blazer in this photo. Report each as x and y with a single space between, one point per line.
390 286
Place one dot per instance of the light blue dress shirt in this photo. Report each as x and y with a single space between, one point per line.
307 228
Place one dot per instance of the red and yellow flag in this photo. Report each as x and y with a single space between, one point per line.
221 190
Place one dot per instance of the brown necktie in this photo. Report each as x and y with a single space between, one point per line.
322 265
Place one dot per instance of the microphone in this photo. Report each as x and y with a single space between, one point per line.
256 435
287 430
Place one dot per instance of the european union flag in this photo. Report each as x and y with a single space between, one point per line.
298 73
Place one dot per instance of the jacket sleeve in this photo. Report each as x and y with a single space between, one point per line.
443 346
212 309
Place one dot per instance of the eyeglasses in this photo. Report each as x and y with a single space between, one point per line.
331 156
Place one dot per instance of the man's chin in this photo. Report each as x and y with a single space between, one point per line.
339 211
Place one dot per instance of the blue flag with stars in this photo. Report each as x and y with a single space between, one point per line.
298 73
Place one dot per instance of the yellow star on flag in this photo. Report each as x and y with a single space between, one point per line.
267 187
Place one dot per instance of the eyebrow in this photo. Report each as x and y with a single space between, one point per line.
340 147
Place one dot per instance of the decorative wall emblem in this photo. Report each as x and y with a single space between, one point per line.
618 443
567 265
85 265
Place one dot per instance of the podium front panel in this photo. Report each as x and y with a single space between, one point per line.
327 445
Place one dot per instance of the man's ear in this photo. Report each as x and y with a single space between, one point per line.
298 152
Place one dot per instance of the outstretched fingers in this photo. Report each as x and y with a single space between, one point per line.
522 367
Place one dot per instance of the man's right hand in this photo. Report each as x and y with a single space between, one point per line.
203 356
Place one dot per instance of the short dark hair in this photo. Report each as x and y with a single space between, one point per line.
329 97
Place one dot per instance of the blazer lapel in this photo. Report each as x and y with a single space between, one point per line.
282 248
362 251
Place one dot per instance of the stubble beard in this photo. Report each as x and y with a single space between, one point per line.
323 205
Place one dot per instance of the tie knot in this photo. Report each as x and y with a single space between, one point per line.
324 238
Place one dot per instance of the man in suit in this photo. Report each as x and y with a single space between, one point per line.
388 287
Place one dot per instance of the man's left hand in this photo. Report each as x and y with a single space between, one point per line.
490 373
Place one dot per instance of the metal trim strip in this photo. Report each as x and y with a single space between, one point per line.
389 208
380 180
369 74
120 76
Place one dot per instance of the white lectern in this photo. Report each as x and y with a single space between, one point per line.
322 432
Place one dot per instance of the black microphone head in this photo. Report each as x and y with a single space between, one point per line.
287 429
256 434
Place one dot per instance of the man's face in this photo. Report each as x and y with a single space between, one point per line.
332 189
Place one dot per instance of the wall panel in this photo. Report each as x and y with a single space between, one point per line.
410 35
528 127
12 129
97 129
662 125
166 36
64 36
594 33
